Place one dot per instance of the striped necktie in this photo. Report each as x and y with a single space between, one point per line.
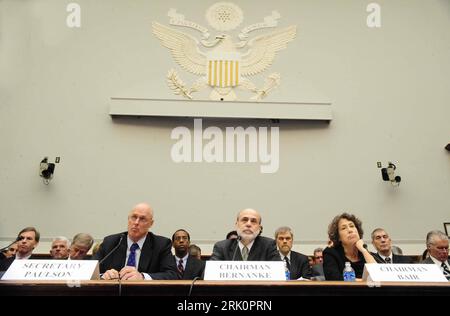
288 264
180 269
445 270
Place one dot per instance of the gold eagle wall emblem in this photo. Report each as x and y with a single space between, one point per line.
223 63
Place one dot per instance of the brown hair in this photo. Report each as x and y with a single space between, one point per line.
37 236
333 228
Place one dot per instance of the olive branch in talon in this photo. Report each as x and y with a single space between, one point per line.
177 85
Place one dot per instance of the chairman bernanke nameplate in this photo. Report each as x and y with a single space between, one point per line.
245 270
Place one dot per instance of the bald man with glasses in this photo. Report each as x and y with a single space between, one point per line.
137 254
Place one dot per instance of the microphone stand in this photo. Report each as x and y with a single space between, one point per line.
17 239
114 249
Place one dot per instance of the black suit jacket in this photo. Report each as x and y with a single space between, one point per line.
299 266
194 268
317 272
263 249
395 258
156 257
430 261
334 262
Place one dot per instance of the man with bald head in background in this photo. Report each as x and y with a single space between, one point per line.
137 254
249 246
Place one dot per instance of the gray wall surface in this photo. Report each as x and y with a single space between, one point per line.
389 89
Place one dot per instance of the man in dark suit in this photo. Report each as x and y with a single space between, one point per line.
383 244
317 265
137 254
296 263
28 239
249 245
188 267
437 245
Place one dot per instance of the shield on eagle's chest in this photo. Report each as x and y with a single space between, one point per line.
223 69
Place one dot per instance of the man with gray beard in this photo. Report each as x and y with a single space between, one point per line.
249 246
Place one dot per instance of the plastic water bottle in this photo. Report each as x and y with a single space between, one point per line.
349 273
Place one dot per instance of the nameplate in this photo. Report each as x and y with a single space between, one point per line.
403 273
52 270
245 270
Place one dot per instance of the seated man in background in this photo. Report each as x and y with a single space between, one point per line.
9 252
188 267
317 267
137 254
249 245
437 245
28 241
195 251
296 263
60 248
383 244
81 244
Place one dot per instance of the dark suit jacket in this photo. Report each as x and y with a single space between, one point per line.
317 272
429 260
299 266
334 262
156 257
5 263
194 268
395 258
263 249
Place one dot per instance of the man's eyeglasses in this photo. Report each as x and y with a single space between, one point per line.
181 238
141 219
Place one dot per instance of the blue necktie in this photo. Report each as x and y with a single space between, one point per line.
132 257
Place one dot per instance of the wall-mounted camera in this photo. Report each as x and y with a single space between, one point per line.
388 174
46 169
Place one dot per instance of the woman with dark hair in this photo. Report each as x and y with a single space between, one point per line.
345 232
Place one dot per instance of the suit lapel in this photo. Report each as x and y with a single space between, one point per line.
254 251
118 261
234 251
294 265
190 268
146 253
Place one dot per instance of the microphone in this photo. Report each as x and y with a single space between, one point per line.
19 238
236 248
192 285
114 249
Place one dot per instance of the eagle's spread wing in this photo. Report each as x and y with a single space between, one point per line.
263 50
184 48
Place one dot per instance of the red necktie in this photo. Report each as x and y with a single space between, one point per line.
180 269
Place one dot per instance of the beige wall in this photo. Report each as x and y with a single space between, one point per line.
390 94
